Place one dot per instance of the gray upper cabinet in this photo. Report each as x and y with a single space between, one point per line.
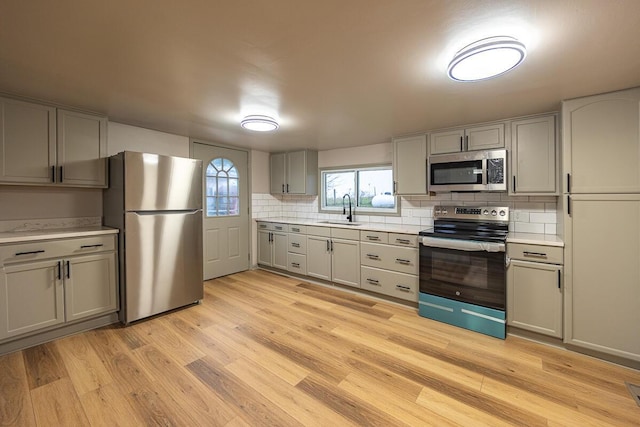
82 149
295 172
474 138
534 165
601 143
27 142
410 165
42 145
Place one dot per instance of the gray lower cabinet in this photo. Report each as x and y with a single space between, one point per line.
334 255
272 247
55 282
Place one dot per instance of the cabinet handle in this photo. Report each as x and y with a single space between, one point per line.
373 237
68 270
466 138
403 288
59 270
279 228
328 249
514 183
263 226
403 261
461 145
287 188
295 245
373 256
395 187
331 241
91 246
534 254
568 205
283 188
559 279
568 183
41 251
61 174
295 264
297 230
373 282
53 174
403 241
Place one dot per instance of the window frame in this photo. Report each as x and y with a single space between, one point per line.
228 178
322 208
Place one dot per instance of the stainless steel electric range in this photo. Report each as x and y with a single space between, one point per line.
463 268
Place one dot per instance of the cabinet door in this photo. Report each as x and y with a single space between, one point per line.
345 262
82 148
447 142
534 297
602 278
277 173
264 248
90 286
533 156
410 165
601 143
485 137
318 257
27 142
31 297
279 248
296 172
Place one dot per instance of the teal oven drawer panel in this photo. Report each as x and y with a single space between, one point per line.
480 319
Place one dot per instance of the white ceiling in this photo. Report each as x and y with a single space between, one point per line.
336 73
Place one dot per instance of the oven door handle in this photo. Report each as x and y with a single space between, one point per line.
463 245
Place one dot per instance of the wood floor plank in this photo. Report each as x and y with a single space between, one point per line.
303 408
108 406
57 404
15 400
204 408
254 408
86 370
43 365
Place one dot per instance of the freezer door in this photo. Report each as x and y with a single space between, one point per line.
161 183
163 262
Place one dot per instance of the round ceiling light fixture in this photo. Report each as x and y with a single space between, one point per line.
486 58
259 123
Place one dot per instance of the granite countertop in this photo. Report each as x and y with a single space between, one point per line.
535 239
58 233
370 226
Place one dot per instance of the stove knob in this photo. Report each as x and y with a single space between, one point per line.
494 213
457 293
502 213
437 211
485 212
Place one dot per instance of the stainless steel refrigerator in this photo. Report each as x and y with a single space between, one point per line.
156 202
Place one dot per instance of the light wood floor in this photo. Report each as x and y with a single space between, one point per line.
268 350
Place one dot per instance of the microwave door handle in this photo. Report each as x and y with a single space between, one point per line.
485 172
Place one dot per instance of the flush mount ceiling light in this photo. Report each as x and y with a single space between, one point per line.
259 123
486 58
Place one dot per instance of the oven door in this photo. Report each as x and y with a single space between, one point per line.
468 271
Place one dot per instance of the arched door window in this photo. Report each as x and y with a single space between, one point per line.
222 188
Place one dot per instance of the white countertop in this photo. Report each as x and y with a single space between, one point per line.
535 239
58 233
371 226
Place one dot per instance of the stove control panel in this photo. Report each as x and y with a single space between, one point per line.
481 213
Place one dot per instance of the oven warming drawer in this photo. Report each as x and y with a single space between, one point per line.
480 319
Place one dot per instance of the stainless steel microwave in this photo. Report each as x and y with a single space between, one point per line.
469 171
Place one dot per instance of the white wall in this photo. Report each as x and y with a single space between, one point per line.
132 138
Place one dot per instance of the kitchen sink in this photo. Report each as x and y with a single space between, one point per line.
352 224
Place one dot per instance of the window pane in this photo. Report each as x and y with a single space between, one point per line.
211 170
233 172
234 206
226 164
223 188
211 206
233 187
217 163
375 188
336 185
211 186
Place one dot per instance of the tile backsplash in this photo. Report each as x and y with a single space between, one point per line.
528 214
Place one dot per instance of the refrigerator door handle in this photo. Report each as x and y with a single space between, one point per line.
180 212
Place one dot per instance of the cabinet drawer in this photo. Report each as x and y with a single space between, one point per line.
344 233
374 236
47 249
408 240
399 285
279 227
314 230
536 253
294 228
297 263
403 260
297 244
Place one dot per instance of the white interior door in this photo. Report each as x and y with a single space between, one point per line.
225 209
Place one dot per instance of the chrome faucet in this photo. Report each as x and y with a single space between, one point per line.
344 211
